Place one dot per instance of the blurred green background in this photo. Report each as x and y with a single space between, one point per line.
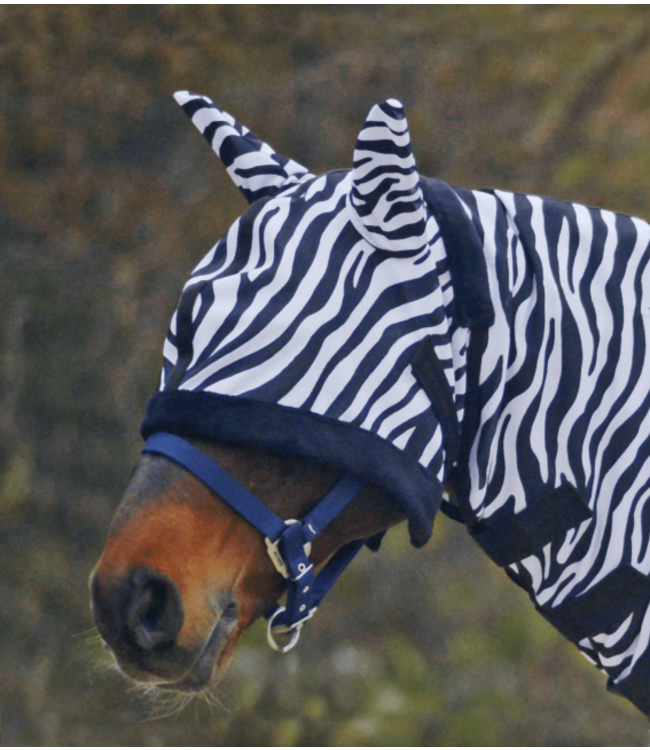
110 197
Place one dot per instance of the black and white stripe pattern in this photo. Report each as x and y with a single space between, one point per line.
253 165
318 299
565 395
296 307
387 201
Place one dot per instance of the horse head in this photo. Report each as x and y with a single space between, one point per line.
356 343
288 370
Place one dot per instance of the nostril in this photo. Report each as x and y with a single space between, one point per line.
155 613
230 613
152 608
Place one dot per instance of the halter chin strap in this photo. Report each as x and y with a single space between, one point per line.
288 542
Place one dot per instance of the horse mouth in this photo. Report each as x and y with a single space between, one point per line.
211 664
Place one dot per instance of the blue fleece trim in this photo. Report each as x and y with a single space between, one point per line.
281 429
467 265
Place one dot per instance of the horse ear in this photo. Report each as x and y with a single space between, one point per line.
388 206
252 164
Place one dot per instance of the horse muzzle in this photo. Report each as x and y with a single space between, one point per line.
141 616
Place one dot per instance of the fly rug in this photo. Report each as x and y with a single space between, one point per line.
475 351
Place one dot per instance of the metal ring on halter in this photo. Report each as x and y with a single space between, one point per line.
271 639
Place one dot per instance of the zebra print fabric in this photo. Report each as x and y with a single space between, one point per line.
388 207
308 315
565 396
252 165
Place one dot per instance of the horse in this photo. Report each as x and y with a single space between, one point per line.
368 347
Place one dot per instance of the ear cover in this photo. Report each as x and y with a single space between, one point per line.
252 164
387 204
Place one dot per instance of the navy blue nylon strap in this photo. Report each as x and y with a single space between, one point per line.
332 571
451 511
332 504
218 480
545 520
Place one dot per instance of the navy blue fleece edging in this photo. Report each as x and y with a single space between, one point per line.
467 264
282 429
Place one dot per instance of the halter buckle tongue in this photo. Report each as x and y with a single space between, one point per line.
273 548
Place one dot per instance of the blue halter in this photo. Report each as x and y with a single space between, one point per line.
288 542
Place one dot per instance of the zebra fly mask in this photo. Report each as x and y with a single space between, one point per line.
432 340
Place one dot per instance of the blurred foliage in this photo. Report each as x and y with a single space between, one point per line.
109 198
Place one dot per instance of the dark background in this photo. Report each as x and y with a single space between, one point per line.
109 199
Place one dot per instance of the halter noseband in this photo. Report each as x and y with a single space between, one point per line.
288 542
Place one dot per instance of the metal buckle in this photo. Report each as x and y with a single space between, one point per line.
273 548
296 628
276 558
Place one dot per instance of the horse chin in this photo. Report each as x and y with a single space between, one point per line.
211 666
214 660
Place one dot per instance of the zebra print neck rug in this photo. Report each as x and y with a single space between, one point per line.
423 337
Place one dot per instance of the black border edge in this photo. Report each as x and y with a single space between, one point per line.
467 264
244 421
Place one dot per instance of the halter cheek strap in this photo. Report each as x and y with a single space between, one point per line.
288 542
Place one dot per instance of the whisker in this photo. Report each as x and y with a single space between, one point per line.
85 632
165 703
168 704
212 700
